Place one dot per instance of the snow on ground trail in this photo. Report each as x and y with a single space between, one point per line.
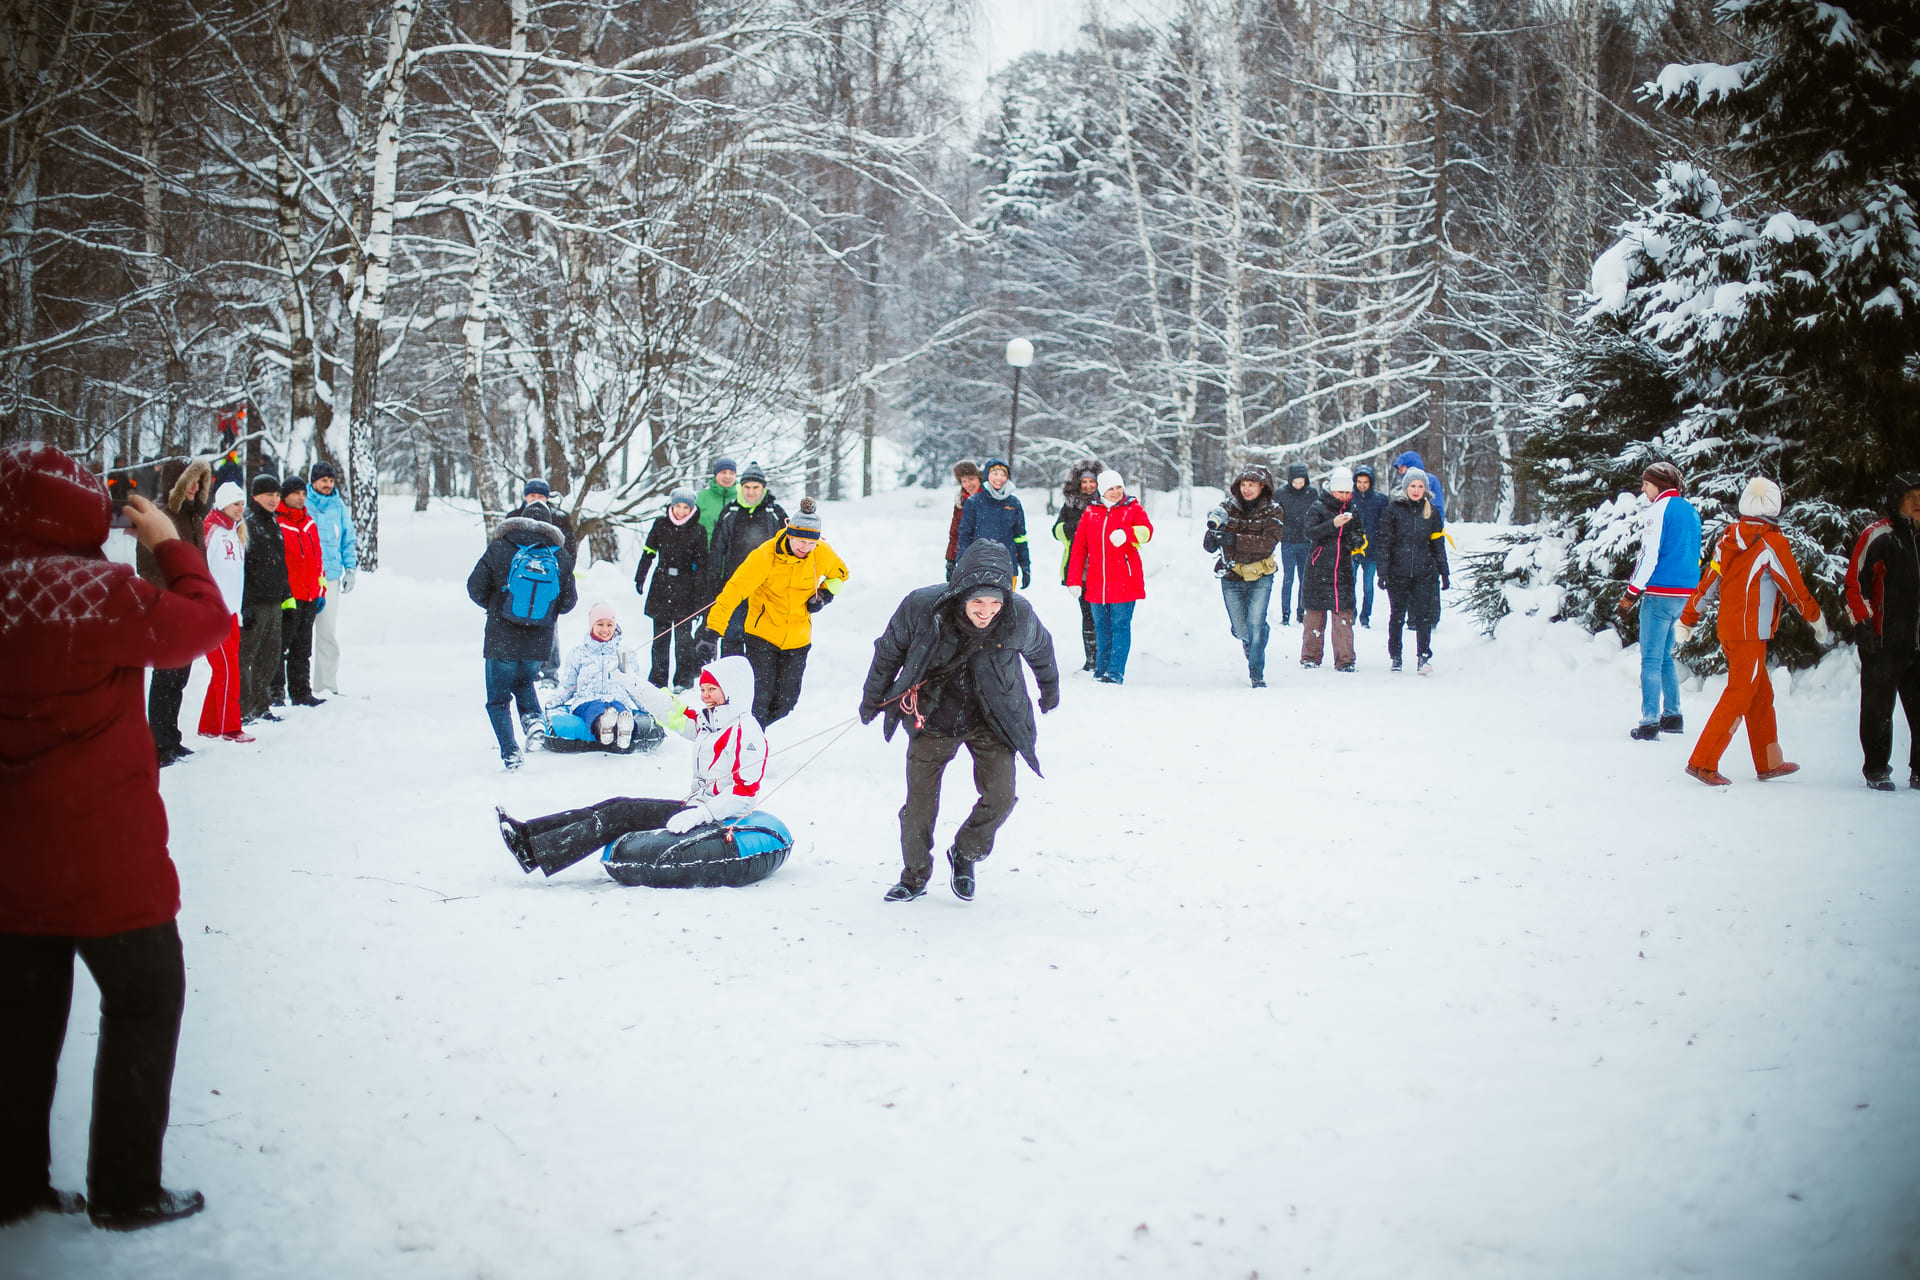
1366 975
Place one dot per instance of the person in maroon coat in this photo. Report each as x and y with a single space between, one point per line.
84 867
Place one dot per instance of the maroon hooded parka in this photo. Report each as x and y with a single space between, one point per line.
85 853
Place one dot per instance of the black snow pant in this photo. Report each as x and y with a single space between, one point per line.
1886 677
676 643
1087 632
261 650
1414 603
294 676
559 840
777 674
927 758
164 691
143 986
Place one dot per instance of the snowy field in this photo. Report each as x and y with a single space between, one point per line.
1355 976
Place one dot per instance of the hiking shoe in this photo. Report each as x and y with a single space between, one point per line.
45 1200
1646 733
603 727
904 892
515 835
1779 771
237 736
308 700
1712 777
1259 682
623 730
163 1206
513 760
1882 780
1309 666
1395 666
1673 724
1426 667
1346 667
962 876
536 730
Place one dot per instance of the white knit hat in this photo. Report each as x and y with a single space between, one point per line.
1110 479
1761 497
1341 481
227 494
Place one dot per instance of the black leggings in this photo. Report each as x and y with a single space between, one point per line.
1885 677
777 674
559 840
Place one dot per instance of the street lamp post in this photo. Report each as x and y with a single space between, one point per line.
1019 355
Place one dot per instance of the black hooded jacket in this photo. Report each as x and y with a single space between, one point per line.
926 617
736 532
1295 503
1410 545
1328 584
677 587
509 641
266 567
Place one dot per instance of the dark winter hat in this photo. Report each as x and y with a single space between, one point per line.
753 473
1296 471
538 486
966 467
1363 470
1899 487
321 471
997 462
265 482
1258 474
724 464
805 521
291 485
1662 476
987 591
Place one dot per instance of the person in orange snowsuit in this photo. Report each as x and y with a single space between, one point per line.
1751 569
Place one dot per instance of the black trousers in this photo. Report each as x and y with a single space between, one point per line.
777 674
1414 603
927 758
559 840
1884 678
164 691
294 676
143 985
261 651
1087 634
674 643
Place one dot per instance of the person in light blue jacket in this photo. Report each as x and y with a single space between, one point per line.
339 558
1669 558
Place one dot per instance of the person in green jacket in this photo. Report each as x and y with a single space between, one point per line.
721 490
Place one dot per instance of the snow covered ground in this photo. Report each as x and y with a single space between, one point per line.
1356 976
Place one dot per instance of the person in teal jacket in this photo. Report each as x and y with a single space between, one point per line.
339 559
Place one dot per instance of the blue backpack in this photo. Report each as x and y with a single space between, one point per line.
533 586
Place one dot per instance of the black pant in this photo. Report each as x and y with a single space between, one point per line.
261 652
777 674
927 758
295 674
559 840
143 985
1415 603
164 691
675 643
1087 634
1885 676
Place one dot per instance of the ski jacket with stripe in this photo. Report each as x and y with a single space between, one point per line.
1751 571
339 549
1110 570
904 651
599 671
226 559
1333 556
85 853
1883 585
1001 519
729 746
306 572
776 583
507 640
1669 563
678 589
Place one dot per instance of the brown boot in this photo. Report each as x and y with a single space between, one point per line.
1712 777
1779 771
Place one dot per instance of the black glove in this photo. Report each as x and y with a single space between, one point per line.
1227 540
868 711
819 600
1049 699
706 648
1026 579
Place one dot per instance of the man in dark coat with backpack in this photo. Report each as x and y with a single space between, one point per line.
948 667
525 582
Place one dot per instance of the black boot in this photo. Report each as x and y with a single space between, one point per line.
45 1200
1644 733
163 1206
962 876
515 835
904 892
1673 724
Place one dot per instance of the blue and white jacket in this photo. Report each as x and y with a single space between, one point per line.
599 671
1001 518
339 548
1669 563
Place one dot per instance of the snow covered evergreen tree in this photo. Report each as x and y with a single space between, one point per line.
1776 334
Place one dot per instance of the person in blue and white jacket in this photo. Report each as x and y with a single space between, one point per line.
994 513
1663 579
339 558
597 679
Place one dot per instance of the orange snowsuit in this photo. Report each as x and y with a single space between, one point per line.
1752 567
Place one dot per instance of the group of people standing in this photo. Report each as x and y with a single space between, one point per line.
283 555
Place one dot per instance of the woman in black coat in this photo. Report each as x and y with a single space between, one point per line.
1411 550
1080 491
678 597
1329 589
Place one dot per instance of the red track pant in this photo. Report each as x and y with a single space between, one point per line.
1749 695
221 711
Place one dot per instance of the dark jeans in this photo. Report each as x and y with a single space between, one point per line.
1293 569
261 650
777 674
927 758
164 691
675 643
733 641
1885 677
508 682
295 674
1368 569
143 986
559 840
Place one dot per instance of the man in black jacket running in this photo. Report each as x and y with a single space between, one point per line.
948 667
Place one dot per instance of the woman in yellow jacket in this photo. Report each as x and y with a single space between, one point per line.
785 581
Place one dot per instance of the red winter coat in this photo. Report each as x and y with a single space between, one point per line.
306 572
85 852
1110 574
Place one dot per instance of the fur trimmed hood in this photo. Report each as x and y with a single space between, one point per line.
527 530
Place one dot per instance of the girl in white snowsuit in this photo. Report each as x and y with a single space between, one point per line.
597 679
729 765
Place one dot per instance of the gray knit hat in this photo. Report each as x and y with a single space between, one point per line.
680 495
805 521
752 473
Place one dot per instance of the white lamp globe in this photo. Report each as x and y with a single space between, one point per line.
1019 353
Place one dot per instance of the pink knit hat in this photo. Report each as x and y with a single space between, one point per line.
598 612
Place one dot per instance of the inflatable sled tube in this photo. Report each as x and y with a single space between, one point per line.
712 855
567 732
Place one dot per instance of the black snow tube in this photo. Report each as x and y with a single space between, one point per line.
712 855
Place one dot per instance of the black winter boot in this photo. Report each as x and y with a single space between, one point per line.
904 892
45 1200
1673 723
515 834
962 876
163 1206
1645 733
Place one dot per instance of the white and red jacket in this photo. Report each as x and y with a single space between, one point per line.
729 746
226 558
1669 563
1105 556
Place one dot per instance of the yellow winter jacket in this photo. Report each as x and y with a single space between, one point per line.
775 583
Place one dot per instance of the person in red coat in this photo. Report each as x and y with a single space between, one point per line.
1104 569
307 580
84 866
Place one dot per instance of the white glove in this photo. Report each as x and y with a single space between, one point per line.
1118 537
688 818
1079 593
346 582
1822 632
1681 634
